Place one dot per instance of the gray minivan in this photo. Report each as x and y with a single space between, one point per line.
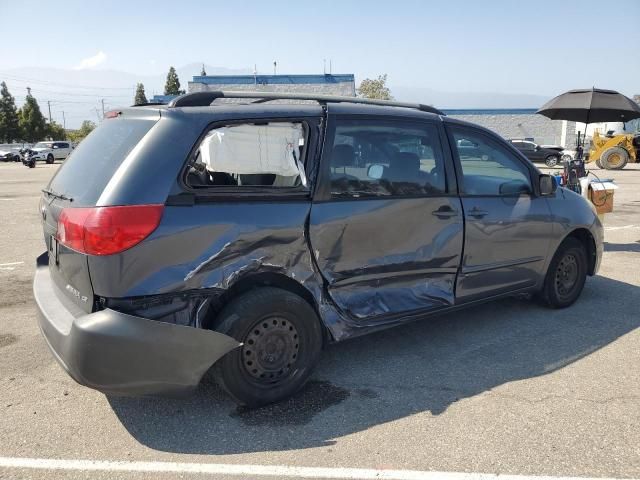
246 236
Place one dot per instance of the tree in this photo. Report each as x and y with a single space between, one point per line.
141 98
172 87
85 129
31 120
55 131
9 121
376 88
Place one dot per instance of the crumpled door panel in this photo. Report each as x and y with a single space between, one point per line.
387 256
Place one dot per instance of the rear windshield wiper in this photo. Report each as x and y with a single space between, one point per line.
61 196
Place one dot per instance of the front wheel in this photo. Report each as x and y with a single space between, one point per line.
614 158
566 276
50 159
281 341
551 161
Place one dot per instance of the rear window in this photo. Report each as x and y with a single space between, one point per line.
86 172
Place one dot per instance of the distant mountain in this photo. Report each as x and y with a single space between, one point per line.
80 93
467 100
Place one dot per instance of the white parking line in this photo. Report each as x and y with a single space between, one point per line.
624 227
9 267
280 471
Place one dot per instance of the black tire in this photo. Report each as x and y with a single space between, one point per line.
567 273
614 158
552 161
31 164
599 164
50 159
282 342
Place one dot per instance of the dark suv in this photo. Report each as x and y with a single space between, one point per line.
250 235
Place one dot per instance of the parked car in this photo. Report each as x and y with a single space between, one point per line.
9 155
47 152
550 155
248 237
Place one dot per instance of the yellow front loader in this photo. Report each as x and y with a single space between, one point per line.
613 152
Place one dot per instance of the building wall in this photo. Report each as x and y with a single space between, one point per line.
317 84
543 130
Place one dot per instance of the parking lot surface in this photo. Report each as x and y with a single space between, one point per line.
506 388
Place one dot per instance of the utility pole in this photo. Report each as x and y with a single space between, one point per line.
64 121
102 107
49 105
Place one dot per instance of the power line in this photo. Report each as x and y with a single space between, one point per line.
47 82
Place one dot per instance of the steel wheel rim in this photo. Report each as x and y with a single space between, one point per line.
566 277
270 350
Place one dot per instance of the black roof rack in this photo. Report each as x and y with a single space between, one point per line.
204 99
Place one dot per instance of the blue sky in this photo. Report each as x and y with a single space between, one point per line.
537 47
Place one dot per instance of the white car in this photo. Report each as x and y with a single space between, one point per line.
50 151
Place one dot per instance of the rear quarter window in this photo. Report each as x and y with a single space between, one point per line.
86 172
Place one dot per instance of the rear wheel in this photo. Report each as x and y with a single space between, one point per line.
599 164
566 276
551 161
50 159
282 341
614 158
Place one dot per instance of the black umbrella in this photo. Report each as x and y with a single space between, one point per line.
591 106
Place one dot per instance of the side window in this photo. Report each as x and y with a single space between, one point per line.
63 145
250 155
487 167
373 158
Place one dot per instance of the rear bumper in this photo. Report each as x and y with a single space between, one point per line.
123 354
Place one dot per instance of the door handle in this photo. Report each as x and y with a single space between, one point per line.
445 212
477 213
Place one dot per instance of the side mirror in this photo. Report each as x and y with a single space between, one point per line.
537 147
375 171
547 185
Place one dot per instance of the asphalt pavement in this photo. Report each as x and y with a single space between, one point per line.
505 388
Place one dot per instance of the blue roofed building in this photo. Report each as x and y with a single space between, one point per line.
321 84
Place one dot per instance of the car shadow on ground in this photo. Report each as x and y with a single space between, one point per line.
424 366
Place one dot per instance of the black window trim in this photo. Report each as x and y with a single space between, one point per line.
501 144
323 190
254 193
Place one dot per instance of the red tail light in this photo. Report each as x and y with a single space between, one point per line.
107 230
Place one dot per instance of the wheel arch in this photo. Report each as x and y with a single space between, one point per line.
264 279
585 237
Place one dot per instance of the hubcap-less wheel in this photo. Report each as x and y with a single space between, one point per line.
270 349
566 275
614 160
